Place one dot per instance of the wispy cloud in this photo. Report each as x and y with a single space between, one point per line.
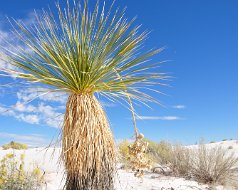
30 118
41 114
107 104
6 112
165 118
32 140
179 106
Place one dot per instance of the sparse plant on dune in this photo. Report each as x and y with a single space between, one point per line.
85 53
14 145
180 160
214 165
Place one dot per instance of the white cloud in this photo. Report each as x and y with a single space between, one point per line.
165 118
21 107
6 111
107 104
179 107
30 118
55 122
41 114
32 140
50 116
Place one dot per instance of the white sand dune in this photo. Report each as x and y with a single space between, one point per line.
48 161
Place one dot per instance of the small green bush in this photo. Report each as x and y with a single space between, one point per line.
14 177
15 145
124 153
159 152
123 148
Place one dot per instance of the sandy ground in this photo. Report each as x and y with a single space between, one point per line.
47 160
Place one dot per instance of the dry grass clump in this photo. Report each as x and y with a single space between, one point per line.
15 145
180 160
207 165
88 145
214 165
13 176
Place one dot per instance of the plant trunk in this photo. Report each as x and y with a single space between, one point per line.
88 145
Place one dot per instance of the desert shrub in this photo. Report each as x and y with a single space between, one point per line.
13 176
207 165
212 142
214 165
124 149
15 145
159 152
152 151
124 153
230 147
180 160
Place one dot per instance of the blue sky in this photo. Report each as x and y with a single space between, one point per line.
201 40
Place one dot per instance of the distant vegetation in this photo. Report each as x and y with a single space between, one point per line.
15 145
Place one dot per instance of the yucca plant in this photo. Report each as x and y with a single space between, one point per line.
85 53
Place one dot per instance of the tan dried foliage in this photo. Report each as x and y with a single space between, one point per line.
88 145
138 159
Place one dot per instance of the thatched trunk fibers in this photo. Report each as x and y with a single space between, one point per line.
88 145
